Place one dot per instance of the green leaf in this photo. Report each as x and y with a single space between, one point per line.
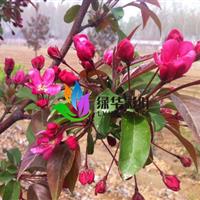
102 122
121 34
30 134
12 191
135 144
14 156
95 5
118 13
140 82
12 169
156 117
71 14
5 177
3 165
25 93
31 107
90 143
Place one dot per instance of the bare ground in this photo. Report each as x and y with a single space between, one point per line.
150 183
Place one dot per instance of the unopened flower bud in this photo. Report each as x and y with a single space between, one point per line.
111 141
176 35
186 161
137 196
125 50
90 176
68 77
171 181
54 53
42 103
100 187
19 77
9 66
72 143
87 65
108 57
38 62
52 126
83 177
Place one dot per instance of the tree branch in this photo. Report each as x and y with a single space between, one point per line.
17 115
76 28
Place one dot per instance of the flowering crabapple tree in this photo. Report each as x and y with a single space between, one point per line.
124 109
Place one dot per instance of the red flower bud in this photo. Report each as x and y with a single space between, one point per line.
172 182
125 50
90 176
68 77
137 196
38 62
54 53
84 48
120 69
87 65
100 187
186 161
72 143
52 126
9 66
176 35
86 176
42 103
111 141
108 57
57 70
83 177
19 77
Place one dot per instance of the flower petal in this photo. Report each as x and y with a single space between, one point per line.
48 77
53 89
35 77
185 47
169 50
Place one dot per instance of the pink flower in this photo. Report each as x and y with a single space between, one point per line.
9 66
175 34
175 59
54 53
72 143
172 182
125 50
42 103
43 84
108 57
186 161
45 146
100 187
19 77
38 62
68 77
84 48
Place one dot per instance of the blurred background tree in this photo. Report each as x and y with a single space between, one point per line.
36 32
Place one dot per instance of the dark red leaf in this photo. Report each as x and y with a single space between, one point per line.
58 166
189 147
38 192
31 160
188 107
72 176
